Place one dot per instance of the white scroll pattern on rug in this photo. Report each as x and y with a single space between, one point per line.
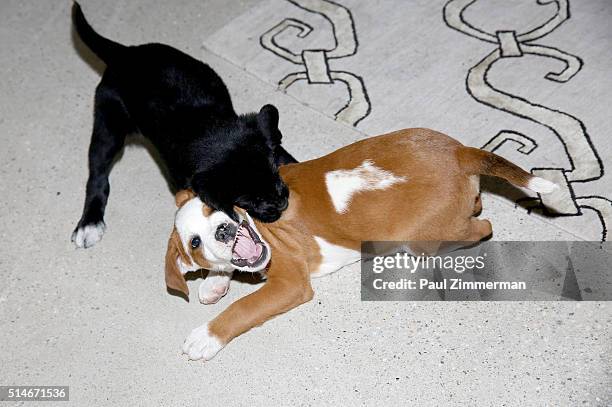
585 164
316 61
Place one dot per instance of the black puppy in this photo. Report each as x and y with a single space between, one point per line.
184 108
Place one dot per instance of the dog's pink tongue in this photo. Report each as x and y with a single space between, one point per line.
247 249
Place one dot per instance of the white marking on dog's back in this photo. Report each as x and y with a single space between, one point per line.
343 184
333 257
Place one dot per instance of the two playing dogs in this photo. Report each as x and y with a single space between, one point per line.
308 218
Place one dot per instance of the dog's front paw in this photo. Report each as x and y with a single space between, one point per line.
214 286
201 344
85 236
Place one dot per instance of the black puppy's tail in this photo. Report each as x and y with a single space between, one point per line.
108 51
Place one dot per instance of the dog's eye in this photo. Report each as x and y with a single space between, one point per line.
196 242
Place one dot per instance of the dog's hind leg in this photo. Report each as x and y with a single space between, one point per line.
111 126
478 230
477 205
473 232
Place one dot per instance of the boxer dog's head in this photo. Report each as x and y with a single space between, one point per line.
203 238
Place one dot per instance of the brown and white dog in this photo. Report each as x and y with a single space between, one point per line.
409 185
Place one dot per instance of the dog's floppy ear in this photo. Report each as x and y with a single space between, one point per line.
267 121
183 196
176 253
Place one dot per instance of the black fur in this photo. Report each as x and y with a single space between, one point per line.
184 108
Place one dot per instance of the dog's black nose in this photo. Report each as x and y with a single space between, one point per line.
225 232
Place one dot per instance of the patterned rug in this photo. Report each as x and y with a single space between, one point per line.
527 79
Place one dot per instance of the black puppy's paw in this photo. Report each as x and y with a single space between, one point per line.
87 235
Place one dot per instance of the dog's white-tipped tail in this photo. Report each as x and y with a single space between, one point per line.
541 185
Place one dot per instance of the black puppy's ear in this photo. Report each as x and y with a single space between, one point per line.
213 193
267 121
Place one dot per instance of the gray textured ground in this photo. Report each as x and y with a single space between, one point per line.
100 320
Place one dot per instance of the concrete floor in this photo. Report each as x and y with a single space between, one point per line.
100 320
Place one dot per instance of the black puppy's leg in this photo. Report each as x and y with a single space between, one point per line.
111 126
282 157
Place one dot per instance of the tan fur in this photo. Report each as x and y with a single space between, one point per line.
174 277
476 161
183 196
435 204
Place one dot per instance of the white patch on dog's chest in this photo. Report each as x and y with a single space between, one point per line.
343 184
333 257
